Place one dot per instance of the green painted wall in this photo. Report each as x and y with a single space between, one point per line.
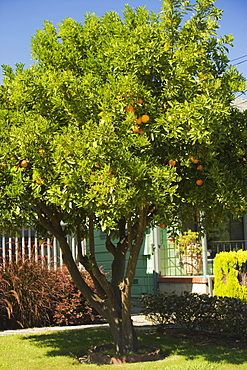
143 282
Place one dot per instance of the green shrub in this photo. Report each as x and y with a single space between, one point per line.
222 315
160 308
230 269
32 295
188 310
230 316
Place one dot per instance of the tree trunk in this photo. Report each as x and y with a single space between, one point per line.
129 334
124 339
118 316
114 303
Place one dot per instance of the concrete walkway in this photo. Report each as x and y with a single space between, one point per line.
138 320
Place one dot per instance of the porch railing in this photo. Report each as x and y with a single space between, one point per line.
172 265
228 245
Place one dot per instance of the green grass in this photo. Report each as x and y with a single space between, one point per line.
59 351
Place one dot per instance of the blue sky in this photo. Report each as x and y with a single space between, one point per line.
19 20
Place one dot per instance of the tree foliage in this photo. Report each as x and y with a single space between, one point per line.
112 128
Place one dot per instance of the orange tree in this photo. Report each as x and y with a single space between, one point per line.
122 124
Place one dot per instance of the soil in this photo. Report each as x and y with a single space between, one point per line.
96 355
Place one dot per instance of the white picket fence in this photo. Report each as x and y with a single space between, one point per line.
27 245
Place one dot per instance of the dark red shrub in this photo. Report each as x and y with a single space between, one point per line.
32 295
71 307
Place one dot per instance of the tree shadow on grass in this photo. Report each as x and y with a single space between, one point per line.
76 343
70 342
197 345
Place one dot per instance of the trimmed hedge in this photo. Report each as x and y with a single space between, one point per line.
221 315
230 269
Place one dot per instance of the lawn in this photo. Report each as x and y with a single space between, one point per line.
60 350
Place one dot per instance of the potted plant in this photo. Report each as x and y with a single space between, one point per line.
190 250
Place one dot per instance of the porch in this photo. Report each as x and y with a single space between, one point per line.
175 277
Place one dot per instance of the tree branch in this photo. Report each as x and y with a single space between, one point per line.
84 260
135 250
78 242
45 222
109 245
99 278
130 232
91 235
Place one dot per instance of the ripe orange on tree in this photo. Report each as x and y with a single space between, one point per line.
136 128
39 181
145 118
129 108
139 120
172 162
200 167
140 101
24 163
194 160
199 182
162 226
141 132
